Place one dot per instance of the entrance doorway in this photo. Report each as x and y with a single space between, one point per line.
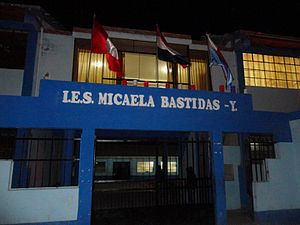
153 173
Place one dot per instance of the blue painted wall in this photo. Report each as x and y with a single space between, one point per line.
53 109
48 110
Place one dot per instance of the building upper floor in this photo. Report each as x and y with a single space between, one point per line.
33 46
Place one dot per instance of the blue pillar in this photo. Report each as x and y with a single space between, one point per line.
29 63
243 172
68 155
86 166
21 175
218 178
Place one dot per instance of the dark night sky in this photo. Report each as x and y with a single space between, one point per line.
187 17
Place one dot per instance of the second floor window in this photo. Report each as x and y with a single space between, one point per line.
12 49
271 71
145 67
139 68
93 68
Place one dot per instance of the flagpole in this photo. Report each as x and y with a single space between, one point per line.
90 57
209 60
102 69
157 69
188 72
89 66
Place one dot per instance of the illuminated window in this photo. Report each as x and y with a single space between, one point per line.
143 67
199 74
271 71
93 68
146 67
138 67
172 165
145 167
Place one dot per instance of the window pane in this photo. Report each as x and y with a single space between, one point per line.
278 59
247 82
163 70
172 167
268 58
145 167
291 76
247 56
147 67
289 60
93 68
12 49
292 84
132 65
257 57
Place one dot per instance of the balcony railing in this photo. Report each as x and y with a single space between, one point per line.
149 83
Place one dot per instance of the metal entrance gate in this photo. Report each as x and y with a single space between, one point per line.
149 173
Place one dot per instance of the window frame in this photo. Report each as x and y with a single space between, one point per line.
271 71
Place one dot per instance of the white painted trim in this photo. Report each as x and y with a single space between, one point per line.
198 47
136 37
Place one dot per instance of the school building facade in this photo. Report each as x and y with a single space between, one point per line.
76 138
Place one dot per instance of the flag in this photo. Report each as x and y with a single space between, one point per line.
103 45
216 58
165 53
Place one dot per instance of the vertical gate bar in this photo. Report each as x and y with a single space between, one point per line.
50 161
36 160
193 149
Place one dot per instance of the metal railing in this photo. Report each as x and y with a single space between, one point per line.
148 193
174 187
148 83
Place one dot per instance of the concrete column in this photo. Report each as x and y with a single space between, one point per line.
218 178
20 177
67 154
85 183
29 63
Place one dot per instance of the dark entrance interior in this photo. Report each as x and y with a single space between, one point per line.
121 170
152 178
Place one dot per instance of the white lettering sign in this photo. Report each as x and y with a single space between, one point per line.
140 100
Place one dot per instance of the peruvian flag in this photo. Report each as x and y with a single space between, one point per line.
102 44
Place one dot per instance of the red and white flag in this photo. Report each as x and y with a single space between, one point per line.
164 52
103 45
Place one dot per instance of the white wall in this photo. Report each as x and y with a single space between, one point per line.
55 56
33 205
282 191
11 81
217 75
232 156
295 126
275 99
